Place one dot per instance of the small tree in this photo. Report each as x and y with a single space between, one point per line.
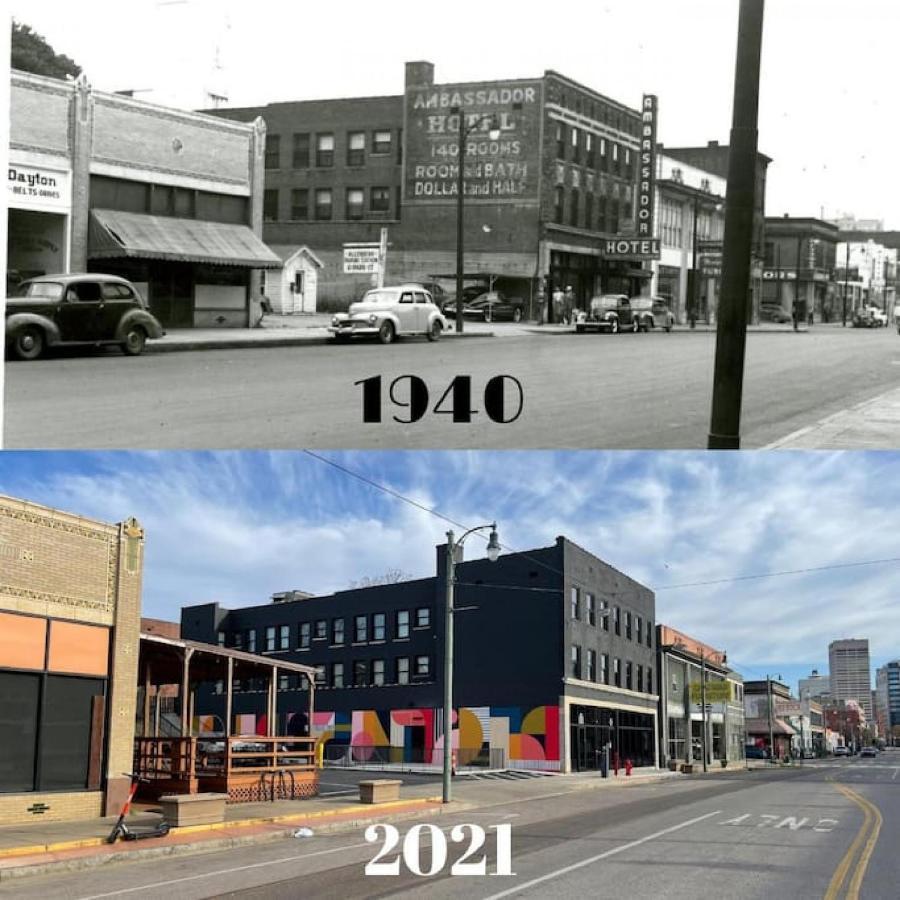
392 576
30 52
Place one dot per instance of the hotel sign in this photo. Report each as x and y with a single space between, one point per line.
37 187
505 169
647 180
631 248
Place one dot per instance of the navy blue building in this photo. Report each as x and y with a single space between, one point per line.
554 657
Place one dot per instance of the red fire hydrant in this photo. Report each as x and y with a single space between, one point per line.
628 767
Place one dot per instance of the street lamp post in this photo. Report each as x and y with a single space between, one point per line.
464 132
453 546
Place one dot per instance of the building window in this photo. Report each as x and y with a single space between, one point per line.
560 141
323 205
300 159
590 158
381 142
361 629
604 668
423 666
649 680
273 151
305 635
321 629
590 606
588 210
380 199
575 603
401 670
628 625
640 678
360 673
576 145
649 635
378 627
220 638
251 640
284 682
320 676
617 622
356 148
270 637
378 672
324 150
559 204
639 629
576 661
628 671
356 201
402 630
591 665
337 674
337 631
300 204
270 204
284 637
604 614
238 640
423 617
617 672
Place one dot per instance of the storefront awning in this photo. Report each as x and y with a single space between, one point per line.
114 234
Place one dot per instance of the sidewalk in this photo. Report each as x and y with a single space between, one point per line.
871 425
38 848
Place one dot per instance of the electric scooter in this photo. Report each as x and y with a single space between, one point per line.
120 829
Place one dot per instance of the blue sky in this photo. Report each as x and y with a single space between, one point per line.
235 527
824 62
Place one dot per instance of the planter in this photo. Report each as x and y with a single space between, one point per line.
193 809
723 763
380 790
673 765
687 768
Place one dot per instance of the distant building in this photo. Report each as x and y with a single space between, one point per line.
814 686
850 674
887 690
768 706
849 222
866 272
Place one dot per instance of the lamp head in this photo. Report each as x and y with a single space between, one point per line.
493 547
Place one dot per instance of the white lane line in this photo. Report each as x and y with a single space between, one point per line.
334 793
587 862
217 872
894 776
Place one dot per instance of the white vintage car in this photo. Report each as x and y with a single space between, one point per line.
389 312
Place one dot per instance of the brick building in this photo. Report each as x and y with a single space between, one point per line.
171 200
70 592
543 201
554 657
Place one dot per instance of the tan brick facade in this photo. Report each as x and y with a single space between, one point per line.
60 566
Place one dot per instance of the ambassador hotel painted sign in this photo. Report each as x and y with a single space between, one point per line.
503 169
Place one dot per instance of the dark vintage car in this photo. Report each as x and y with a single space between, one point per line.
652 312
489 306
88 309
607 312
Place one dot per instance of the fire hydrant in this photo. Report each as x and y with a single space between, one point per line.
628 767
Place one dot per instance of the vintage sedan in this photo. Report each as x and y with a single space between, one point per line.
494 306
389 312
607 312
68 310
652 312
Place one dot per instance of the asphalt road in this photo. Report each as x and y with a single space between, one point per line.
823 831
581 391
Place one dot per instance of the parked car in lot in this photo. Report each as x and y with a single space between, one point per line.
652 312
775 314
488 306
751 751
841 751
438 294
67 310
389 312
607 312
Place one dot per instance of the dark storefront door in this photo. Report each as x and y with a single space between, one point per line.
631 737
172 294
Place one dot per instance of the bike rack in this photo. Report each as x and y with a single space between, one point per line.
282 784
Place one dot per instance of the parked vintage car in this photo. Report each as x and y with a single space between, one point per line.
652 312
770 312
607 312
64 310
490 306
869 317
389 312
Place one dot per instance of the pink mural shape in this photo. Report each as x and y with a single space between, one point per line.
524 746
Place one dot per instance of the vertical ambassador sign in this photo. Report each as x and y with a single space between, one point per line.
647 180
505 169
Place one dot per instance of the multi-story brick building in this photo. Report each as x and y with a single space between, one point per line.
70 591
542 201
554 657
169 199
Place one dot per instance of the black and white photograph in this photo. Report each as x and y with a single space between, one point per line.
449 452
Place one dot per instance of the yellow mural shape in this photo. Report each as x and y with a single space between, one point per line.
535 722
470 733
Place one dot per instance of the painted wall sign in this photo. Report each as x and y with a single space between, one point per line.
631 248
647 180
33 187
501 169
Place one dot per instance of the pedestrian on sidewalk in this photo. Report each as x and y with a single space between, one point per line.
569 305
265 307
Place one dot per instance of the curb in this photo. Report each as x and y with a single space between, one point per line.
402 809
239 343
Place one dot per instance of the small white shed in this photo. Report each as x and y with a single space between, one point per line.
292 290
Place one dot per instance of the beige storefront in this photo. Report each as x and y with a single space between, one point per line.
70 591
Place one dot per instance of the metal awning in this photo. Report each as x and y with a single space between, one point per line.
113 234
